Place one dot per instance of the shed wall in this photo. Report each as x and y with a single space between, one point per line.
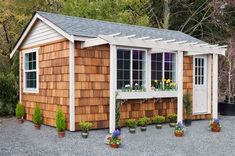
53 82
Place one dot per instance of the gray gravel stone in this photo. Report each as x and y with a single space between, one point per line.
16 139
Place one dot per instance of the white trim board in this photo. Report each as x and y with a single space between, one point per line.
71 88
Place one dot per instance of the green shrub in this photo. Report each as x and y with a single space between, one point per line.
85 126
158 119
60 120
8 93
131 123
187 104
172 118
37 116
143 121
20 111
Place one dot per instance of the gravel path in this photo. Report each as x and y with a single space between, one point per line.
16 139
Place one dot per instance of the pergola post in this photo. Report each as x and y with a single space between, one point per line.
215 86
180 86
112 88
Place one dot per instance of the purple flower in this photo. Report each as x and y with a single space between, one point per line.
116 133
180 124
216 120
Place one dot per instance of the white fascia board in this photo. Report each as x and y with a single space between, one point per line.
29 27
82 38
134 42
93 42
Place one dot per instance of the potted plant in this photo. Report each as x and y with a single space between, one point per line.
131 124
215 125
115 140
37 117
188 108
158 120
172 118
60 123
143 122
179 130
20 113
85 127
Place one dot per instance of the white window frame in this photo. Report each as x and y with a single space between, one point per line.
25 89
131 65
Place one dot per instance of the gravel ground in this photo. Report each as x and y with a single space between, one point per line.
16 139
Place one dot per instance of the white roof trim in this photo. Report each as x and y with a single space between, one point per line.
29 27
170 46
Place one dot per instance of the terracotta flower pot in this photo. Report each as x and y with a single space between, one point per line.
36 126
61 134
215 129
20 121
179 134
114 145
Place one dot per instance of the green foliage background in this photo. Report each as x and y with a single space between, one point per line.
200 18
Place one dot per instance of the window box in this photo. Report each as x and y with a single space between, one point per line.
146 95
134 95
165 94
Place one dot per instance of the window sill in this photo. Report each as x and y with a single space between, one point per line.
146 95
30 91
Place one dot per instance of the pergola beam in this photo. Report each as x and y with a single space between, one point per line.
129 36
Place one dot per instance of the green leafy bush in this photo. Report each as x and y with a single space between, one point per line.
37 116
187 104
85 126
144 121
60 120
8 94
158 119
172 118
131 123
20 111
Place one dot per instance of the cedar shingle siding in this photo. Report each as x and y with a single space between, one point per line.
53 82
91 87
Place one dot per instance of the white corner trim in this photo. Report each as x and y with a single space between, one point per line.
20 96
28 90
71 88
215 86
113 86
209 83
180 60
29 27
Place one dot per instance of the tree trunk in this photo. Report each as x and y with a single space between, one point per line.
166 14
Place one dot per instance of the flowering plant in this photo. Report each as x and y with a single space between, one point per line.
165 84
179 128
115 138
214 124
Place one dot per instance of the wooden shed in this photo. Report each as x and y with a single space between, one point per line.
84 65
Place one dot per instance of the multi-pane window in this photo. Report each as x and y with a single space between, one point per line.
138 68
199 71
130 68
163 67
30 70
123 68
170 64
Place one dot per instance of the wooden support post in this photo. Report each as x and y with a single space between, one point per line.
180 86
113 84
215 86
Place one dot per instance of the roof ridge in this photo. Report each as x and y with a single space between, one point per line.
126 24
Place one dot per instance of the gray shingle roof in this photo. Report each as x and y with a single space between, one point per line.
92 28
